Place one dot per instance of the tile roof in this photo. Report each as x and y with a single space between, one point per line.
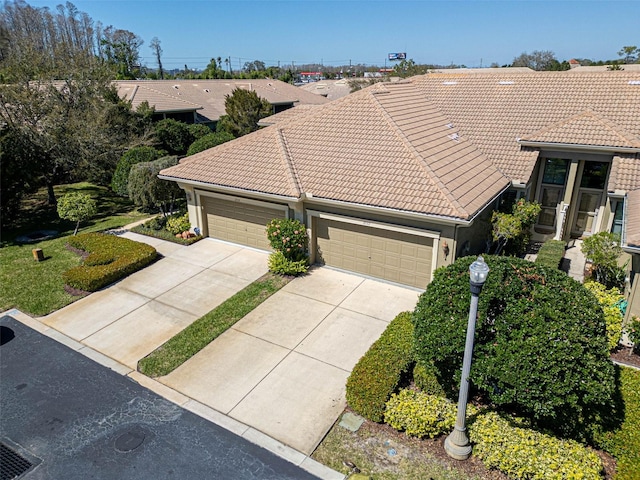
386 146
587 128
632 224
209 95
625 173
492 111
286 115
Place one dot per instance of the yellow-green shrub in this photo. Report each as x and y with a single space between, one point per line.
111 258
377 374
281 265
608 300
419 414
523 453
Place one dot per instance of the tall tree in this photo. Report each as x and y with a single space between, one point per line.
537 60
57 97
244 108
630 54
121 51
157 51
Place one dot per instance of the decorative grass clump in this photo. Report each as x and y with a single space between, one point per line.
110 259
377 374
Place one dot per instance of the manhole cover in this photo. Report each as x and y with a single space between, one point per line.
130 440
12 464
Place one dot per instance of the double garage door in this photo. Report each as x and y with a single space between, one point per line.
391 255
239 222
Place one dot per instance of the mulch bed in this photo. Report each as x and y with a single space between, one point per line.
626 356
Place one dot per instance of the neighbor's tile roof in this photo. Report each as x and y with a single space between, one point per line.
493 111
286 115
210 95
386 146
632 224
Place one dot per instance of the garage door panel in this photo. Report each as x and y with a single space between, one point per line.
394 256
239 222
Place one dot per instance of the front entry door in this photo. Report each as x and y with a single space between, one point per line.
588 204
592 185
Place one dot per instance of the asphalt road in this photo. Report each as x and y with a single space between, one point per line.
75 419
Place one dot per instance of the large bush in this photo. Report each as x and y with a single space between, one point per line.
290 241
120 179
209 141
198 130
540 348
173 136
377 374
148 191
603 249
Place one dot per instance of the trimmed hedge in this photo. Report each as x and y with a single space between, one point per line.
425 378
551 253
111 258
377 374
421 415
624 442
520 452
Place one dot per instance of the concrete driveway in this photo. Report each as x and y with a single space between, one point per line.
277 377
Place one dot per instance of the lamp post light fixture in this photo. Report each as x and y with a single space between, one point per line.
457 443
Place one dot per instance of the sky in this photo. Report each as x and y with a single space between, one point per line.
343 32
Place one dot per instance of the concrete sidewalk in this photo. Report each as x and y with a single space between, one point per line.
276 378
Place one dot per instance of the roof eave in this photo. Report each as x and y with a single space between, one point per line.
224 188
578 147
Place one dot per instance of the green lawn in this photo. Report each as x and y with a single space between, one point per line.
37 288
206 329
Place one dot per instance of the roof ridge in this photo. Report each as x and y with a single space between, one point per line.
435 179
165 95
290 168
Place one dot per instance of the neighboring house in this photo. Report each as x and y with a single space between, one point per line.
202 101
400 178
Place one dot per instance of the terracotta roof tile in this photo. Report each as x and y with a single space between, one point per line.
492 111
386 146
625 173
632 224
210 95
586 128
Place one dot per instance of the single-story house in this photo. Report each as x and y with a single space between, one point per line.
400 178
202 101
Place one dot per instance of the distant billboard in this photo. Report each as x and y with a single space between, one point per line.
398 56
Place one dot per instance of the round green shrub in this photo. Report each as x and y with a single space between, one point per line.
156 223
540 346
289 237
209 141
120 179
198 130
421 415
173 136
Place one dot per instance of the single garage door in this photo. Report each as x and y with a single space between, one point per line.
394 256
239 222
